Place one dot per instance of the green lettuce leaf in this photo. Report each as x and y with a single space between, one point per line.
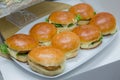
97 40
3 48
58 25
78 17
46 20
70 25
95 13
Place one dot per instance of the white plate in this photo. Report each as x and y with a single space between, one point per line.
83 55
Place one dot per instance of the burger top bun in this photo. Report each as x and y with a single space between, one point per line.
61 17
105 21
84 10
88 33
66 41
21 42
46 56
43 31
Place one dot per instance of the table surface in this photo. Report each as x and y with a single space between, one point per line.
39 10
17 6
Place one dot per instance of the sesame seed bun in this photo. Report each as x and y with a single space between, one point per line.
88 34
105 21
68 42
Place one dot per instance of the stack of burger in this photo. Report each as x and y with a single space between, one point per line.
49 44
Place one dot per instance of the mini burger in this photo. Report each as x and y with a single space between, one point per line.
19 45
63 20
106 22
84 12
68 42
43 32
90 36
46 60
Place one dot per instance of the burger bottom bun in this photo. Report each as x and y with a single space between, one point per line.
83 22
22 58
71 54
90 45
65 28
109 32
17 57
48 43
59 30
39 69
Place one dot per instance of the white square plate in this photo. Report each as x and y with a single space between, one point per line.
82 57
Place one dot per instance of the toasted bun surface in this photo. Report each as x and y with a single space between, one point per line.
90 36
46 56
21 42
66 41
105 21
87 33
43 31
85 10
61 17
